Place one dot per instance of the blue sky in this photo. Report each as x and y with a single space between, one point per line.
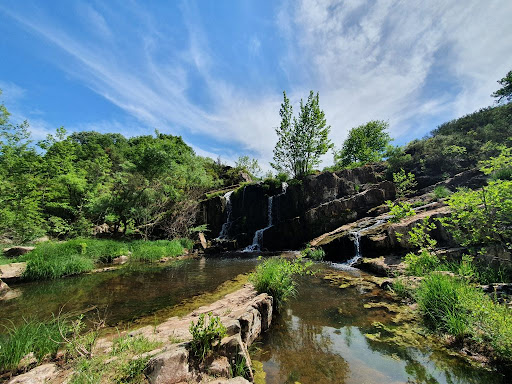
214 71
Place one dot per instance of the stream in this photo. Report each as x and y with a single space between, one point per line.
318 338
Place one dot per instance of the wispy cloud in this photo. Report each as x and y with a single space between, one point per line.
406 62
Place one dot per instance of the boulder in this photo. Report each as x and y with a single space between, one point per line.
169 367
120 260
17 251
40 375
3 288
12 272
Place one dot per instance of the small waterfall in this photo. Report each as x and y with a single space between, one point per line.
356 235
258 235
225 227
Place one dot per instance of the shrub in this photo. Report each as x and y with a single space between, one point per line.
17 341
276 277
400 211
440 192
316 254
405 183
205 333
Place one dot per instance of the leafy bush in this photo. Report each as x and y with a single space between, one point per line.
440 192
405 183
276 277
18 341
205 333
400 211
316 254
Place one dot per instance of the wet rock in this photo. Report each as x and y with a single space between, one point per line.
381 266
12 272
17 251
39 375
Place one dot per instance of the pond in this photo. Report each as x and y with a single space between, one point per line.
322 336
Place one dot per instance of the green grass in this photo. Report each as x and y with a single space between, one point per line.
317 254
452 305
42 339
276 277
127 368
155 250
51 260
440 192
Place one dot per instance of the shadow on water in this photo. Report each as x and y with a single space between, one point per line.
320 338
125 294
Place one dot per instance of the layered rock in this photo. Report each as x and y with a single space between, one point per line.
317 204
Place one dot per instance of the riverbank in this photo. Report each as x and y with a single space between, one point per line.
161 353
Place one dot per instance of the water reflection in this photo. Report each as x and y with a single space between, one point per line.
320 338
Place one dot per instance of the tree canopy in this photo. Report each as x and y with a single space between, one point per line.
301 140
505 92
364 144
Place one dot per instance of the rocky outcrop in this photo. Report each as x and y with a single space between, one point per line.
311 206
40 375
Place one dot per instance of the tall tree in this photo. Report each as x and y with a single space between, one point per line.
364 144
303 139
505 92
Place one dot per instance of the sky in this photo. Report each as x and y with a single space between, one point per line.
213 71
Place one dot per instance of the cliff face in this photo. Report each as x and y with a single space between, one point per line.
293 214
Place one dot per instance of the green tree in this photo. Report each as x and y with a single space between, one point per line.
301 140
248 165
21 217
364 144
505 92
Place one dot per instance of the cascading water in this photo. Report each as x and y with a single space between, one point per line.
356 235
258 235
225 227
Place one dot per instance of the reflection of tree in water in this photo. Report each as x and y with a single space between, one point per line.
302 353
454 369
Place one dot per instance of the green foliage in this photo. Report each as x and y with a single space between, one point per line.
482 218
16 342
51 260
441 192
316 254
505 92
502 162
399 211
397 159
450 304
276 277
155 250
199 228
364 144
238 367
301 140
405 183
205 333
248 165
132 370
421 263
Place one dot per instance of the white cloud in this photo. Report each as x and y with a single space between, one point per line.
368 60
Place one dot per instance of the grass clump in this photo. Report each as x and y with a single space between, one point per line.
41 339
155 250
276 277
452 305
317 254
205 333
441 192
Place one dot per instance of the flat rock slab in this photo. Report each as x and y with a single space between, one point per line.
40 375
12 271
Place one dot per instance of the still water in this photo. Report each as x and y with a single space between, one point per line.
319 337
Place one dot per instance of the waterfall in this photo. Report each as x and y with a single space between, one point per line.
225 227
356 235
258 235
